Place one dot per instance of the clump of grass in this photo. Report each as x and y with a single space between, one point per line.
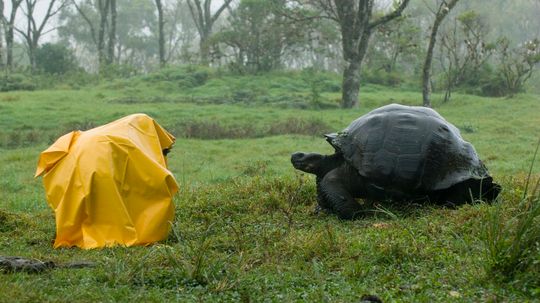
468 128
79 125
10 98
255 168
512 236
10 221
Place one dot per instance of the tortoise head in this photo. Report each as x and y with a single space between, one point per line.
314 163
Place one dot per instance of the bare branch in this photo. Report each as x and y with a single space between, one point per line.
396 13
220 10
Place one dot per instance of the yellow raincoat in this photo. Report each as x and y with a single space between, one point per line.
110 185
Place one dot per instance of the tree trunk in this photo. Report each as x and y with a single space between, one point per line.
112 33
32 55
161 38
29 34
426 71
204 49
443 10
9 47
10 34
103 12
350 85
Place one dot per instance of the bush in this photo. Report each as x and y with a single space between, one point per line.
382 77
185 77
493 86
16 82
55 59
111 71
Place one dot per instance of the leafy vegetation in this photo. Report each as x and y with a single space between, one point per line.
16 82
513 236
244 228
55 59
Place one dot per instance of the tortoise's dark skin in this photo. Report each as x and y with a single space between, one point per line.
337 183
441 168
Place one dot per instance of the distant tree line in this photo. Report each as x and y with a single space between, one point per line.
441 45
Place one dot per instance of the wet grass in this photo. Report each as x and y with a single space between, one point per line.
244 227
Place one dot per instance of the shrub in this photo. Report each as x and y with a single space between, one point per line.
111 71
185 76
517 64
55 59
493 86
16 82
382 77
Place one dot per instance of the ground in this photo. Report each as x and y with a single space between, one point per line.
244 228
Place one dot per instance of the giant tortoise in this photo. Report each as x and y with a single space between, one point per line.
399 153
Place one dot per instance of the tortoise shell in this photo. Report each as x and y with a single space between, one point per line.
407 149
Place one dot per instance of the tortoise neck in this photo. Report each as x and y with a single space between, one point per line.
327 164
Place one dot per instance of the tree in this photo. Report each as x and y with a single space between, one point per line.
258 37
161 35
9 27
464 50
180 31
176 31
201 13
444 8
134 39
54 59
106 37
35 29
356 21
517 65
98 36
392 42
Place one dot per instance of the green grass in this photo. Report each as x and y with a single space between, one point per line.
244 228
512 236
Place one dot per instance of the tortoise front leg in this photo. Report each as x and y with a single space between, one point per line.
337 196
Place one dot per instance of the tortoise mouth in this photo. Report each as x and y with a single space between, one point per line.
305 162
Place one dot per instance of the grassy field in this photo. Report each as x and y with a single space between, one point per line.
244 228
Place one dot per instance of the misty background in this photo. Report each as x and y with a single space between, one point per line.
476 43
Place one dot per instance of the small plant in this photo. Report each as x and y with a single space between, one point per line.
468 128
512 236
8 221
